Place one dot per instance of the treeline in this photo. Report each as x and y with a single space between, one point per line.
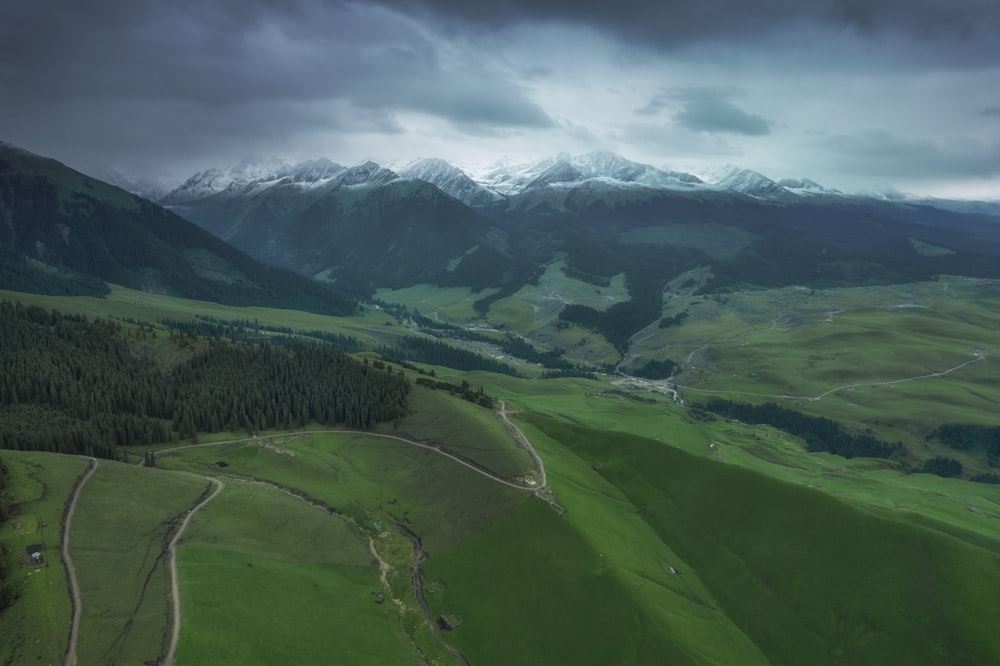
971 437
942 466
656 369
464 390
72 385
244 330
622 320
819 433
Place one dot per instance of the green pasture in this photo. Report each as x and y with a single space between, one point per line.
118 542
793 344
36 627
374 328
534 309
370 478
808 577
593 585
445 304
469 430
267 579
877 484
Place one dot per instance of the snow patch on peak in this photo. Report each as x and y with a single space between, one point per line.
368 173
806 186
746 181
450 180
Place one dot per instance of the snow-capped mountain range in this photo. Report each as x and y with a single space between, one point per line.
249 178
499 182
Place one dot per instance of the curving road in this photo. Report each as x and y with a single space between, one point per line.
175 587
429 447
74 587
525 444
816 398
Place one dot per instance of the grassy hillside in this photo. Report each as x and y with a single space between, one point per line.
124 519
800 572
61 223
36 627
267 578
674 537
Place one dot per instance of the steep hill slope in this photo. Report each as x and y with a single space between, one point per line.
63 232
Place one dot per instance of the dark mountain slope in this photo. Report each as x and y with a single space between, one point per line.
56 223
364 229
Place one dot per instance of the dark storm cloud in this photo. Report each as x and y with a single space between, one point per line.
714 114
991 112
86 75
958 29
707 110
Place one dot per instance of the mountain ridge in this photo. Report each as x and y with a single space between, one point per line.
58 225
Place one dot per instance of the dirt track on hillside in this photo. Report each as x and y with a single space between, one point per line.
74 587
175 588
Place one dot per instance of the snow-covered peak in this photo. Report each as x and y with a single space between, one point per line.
560 172
368 173
451 180
744 181
604 166
806 186
314 171
231 179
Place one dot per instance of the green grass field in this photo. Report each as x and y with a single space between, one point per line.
36 627
118 545
685 539
374 328
445 304
801 572
463 428
269 579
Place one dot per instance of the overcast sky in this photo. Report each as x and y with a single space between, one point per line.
855 94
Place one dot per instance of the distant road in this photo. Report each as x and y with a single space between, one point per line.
815 398
429 447
74 587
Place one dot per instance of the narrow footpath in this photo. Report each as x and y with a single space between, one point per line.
175 587
74 587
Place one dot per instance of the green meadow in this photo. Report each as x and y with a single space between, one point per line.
373 328
445 304
673 536
123 522
802 572
36 627
267 579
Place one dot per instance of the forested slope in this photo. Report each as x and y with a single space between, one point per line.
75 385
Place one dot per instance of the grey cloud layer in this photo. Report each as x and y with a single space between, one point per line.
888 86
957 29
706 110
245 72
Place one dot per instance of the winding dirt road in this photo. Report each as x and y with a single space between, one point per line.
816 398
519 437
410 442
175 587
74 587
